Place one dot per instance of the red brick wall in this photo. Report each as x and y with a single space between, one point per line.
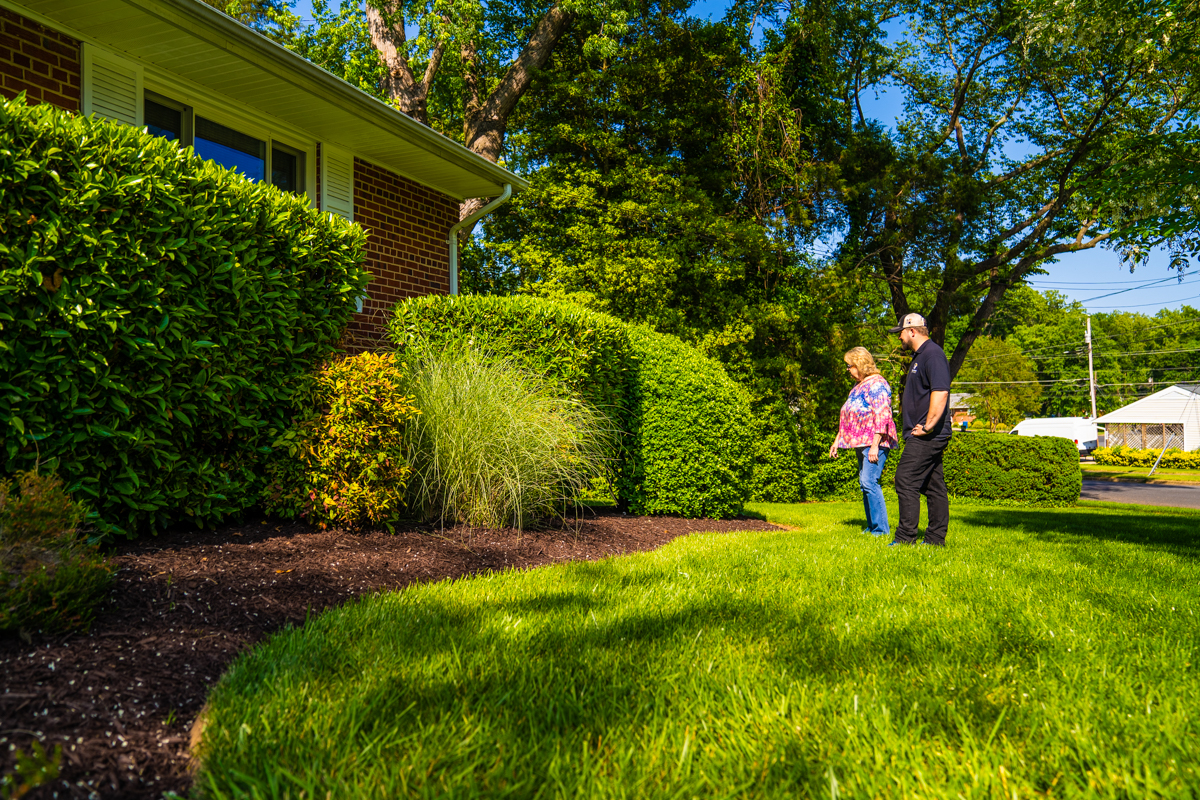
41 62
407 226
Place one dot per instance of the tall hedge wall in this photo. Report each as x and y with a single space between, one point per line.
686 424
1012 470
156 312
691 434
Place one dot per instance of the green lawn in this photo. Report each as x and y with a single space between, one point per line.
1051 651
1139 474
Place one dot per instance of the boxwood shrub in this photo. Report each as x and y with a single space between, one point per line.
156 314
691 433
1000 468
686 425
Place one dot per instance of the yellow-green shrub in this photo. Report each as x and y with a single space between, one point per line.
346 464
1122 456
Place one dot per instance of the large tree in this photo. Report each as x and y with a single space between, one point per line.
459 66
1019 117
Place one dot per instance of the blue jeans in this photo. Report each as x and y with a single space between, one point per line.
869 476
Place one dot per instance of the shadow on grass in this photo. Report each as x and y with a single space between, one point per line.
1175 530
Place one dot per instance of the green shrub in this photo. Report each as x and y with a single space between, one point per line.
49 578
1012 470
691 450
346 465
156 314
778 469
1122 456
496 445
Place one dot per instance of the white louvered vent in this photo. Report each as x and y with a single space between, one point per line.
112 87
337 182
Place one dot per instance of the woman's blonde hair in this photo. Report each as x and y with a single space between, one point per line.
861 359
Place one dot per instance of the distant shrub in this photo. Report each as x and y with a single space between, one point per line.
691 433
496 445
1122 456
346 464
1011 470
156 314
50 579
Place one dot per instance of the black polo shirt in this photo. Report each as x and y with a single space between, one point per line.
928 372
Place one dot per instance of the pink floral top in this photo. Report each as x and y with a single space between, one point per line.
866 412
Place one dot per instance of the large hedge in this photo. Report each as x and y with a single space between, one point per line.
686 424
156 314
1001 468
691 434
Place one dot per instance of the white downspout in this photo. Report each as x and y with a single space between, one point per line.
453 240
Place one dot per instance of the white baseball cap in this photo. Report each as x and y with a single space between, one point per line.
909 321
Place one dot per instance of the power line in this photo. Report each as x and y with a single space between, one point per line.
1143 286
1143 305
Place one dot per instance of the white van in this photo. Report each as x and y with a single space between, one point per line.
1080 430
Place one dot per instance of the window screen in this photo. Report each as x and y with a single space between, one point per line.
164 121
231 149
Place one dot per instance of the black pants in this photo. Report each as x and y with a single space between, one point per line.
920 473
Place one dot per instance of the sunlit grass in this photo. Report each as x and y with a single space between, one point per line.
1049 651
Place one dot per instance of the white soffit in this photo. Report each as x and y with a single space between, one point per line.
195 41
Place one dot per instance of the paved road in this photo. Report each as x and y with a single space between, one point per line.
1179 495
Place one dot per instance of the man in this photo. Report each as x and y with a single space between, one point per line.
927 426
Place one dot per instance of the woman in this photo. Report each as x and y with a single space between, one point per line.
867 427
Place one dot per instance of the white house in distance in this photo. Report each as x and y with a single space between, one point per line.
1172 413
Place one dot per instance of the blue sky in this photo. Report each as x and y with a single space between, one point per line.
1084 276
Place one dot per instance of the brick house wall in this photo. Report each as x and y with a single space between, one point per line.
41 62
407 225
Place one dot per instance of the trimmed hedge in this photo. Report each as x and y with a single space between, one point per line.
691 451
1016 470
686 424
1122 456
157 313
996 467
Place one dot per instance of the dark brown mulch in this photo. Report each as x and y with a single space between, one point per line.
121 699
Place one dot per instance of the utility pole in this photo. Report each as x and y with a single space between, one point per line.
1091 372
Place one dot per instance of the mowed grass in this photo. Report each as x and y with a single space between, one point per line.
1042 651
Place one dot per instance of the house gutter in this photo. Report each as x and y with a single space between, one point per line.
471 220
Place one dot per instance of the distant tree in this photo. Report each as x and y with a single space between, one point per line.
1002 382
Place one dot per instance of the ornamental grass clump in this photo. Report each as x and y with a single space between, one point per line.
51 579
495 445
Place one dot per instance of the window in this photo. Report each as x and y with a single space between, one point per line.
257 159
231 149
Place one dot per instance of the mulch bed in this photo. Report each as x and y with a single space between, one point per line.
121 699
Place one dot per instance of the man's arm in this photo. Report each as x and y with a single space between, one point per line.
937 404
